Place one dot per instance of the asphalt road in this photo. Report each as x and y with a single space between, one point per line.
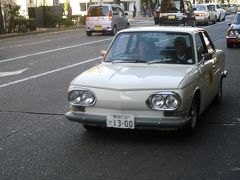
37 142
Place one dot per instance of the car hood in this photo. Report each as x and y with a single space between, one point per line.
122 77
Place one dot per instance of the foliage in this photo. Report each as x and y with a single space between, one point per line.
23 25
11 10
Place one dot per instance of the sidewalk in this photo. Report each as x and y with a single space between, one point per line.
47 30
38 31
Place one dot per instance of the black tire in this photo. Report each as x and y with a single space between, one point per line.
89 33
224 18
207 23
218 97
193 23
114 30
214 22
190 127
156 21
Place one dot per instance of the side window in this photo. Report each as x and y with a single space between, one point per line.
120 12
200 46
114 11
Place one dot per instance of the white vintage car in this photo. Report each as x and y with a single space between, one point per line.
151 77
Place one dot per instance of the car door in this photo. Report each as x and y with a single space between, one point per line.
205 49
121 17
115 17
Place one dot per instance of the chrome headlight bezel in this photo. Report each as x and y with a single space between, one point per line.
81 97
167 101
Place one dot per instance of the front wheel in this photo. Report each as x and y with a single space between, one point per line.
189 128
89 33
114 30
218 97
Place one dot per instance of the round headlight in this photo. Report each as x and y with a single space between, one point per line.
88 98
81 98
157 101
168 101
74 97
171 101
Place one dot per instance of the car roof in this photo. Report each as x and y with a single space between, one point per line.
186 29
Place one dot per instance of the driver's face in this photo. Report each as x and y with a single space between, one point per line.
180 48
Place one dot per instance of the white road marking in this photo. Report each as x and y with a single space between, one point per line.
49 72
27 44
11 73
53 50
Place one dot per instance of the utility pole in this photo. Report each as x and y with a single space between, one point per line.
2 30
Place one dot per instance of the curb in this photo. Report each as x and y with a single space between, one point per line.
39 31
49 30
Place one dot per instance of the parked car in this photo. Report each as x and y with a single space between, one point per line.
233 32
106 18
204 14
176 12
220 12
233 8
136 87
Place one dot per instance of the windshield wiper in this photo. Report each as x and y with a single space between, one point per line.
128 61
159 61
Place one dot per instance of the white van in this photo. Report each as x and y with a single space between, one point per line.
105 18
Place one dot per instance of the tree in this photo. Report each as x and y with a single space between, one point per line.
1 20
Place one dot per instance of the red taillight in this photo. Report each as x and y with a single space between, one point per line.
110 15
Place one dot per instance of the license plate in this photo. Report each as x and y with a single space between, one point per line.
199 18
125 121
98 28
171 17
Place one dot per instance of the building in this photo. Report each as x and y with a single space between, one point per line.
79 7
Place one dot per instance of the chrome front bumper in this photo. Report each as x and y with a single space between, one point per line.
140 122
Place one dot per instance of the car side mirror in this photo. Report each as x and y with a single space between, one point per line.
207 56
103 53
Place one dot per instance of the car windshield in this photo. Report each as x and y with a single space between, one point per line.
200 8
237 19
98 11
149 47
213 7
171 6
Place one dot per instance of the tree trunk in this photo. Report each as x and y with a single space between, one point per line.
2 30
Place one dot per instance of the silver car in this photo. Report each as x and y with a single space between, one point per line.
106 18
204 14
146 81
220 12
